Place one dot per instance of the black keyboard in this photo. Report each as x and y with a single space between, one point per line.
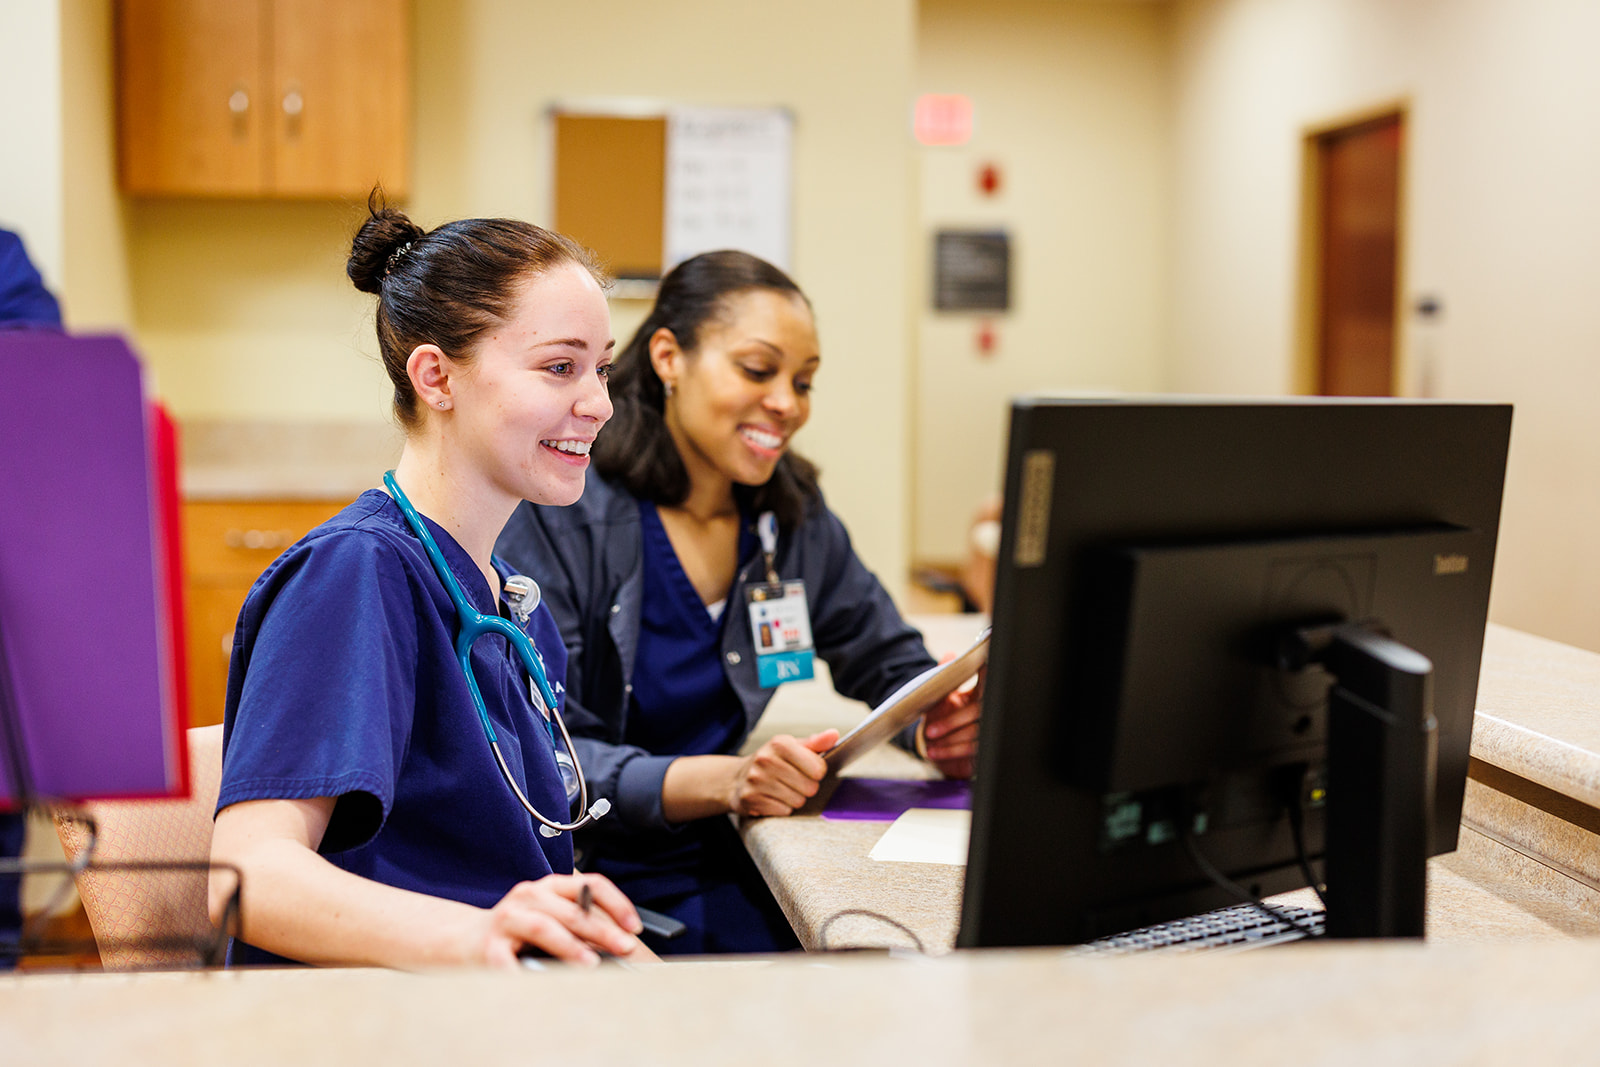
1231 928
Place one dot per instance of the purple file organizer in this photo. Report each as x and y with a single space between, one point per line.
87 685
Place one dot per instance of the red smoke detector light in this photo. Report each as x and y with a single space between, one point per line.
989 179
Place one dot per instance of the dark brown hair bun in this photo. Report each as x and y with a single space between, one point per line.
379 243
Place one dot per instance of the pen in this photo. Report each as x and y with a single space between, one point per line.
585 899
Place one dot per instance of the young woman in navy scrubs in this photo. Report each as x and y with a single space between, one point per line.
360 797
648 577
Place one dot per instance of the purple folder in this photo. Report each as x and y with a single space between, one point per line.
87 683
887 799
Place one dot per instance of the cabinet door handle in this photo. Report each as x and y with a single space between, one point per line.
293 103
239 104
257 539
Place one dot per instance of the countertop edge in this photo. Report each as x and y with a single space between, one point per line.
1568 769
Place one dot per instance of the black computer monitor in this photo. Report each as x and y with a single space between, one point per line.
1183 585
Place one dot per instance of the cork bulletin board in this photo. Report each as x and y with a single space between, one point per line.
610 176
646 191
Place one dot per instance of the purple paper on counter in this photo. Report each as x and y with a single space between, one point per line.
886 799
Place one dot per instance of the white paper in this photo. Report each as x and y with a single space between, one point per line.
728 182
926 835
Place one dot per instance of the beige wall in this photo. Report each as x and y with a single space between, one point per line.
31 131
1150 153
57 175
95 285
1071 105
1502 225
842 67
244 311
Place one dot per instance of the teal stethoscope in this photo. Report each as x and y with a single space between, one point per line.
473 625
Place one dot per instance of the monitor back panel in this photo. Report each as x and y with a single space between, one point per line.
1087 479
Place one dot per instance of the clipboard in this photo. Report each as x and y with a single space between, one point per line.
907 703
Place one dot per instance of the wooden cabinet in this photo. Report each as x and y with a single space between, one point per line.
273 98
226 546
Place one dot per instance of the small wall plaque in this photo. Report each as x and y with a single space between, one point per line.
972 270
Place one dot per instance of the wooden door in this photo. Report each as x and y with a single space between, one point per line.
190 97
1359 195
341 98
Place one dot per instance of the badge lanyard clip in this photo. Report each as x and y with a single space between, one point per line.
767 530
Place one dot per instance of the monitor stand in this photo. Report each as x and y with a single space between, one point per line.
1382 759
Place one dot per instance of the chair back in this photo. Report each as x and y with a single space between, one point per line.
145 915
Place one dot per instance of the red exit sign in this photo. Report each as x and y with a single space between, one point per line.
943 119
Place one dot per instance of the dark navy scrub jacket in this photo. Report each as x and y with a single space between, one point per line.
587 559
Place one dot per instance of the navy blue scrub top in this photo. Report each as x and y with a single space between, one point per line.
682 703
344 683
24 301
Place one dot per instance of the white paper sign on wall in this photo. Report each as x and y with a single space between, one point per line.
728 182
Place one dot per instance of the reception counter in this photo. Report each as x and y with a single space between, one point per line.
1527 866
1508 971
1508 1002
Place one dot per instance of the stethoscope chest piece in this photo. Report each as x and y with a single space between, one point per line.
522 593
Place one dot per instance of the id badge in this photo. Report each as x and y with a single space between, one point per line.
780 625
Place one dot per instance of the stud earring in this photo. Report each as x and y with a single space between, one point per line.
441 403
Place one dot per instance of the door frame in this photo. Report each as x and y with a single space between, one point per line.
1308 270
